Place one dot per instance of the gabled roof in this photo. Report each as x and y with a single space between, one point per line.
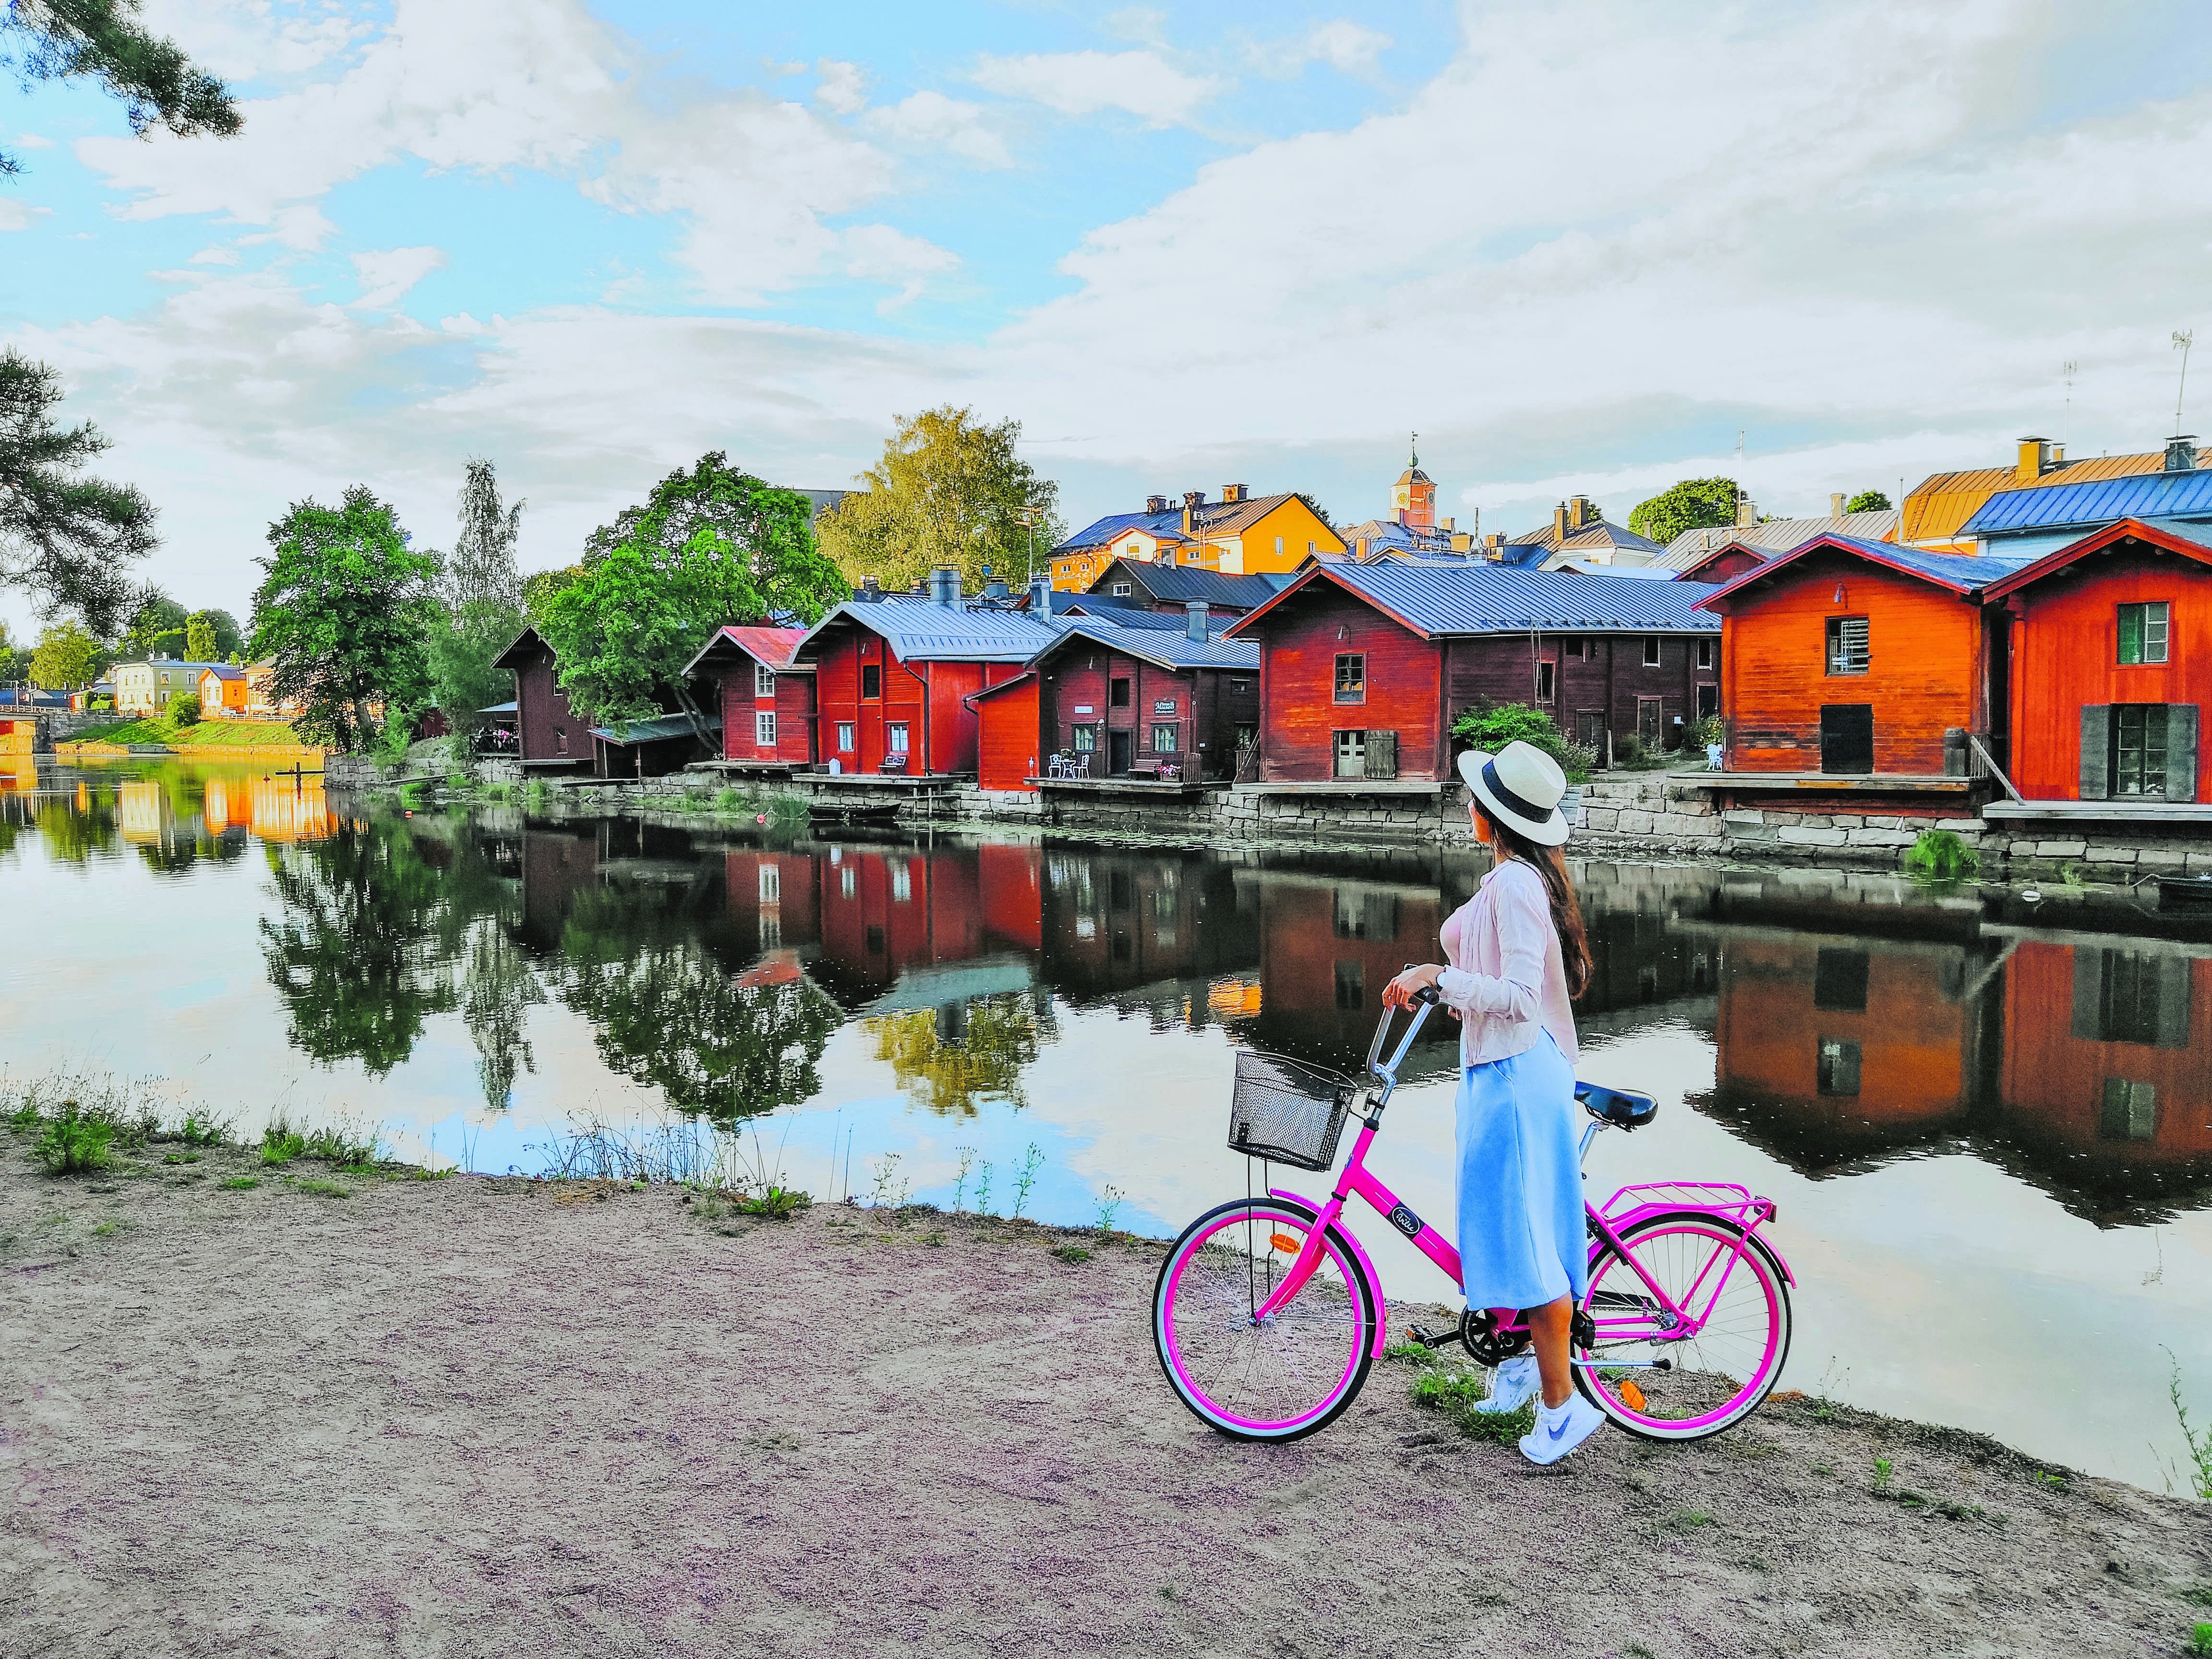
1446 603
1690 564
770 646
223 671
939 633
1121 616
1963 574
1602 535
1387 537
1167 650
1176 584
1773 536
2190 541
1213 518
2058 506
525 644
1941 504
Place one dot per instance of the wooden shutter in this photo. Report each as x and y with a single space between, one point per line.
1382 754
2181 751
2096 751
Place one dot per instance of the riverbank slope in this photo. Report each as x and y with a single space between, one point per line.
482 1416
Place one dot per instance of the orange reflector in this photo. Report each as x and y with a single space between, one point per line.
1284 1243
1631 1396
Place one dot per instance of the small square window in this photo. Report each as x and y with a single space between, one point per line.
1164 738
1849 646
1118 694
1547 681
845 736
1120 590
871 681
895 738
765 729
1083 740
764 680
1351 677
1651 652
1704 653
2144 631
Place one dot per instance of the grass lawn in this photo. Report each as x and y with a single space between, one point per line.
202 734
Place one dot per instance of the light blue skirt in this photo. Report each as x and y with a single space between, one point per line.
1520 1228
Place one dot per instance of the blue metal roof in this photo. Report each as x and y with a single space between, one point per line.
1176 650
2141 495
1493 599
654 731
1168 526
939 633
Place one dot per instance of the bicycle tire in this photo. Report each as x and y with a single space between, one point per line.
1688 1387
1186 1312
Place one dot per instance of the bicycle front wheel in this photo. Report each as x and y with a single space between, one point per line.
1723 1350
1274 1379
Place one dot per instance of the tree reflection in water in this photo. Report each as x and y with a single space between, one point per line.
948 1059
497 983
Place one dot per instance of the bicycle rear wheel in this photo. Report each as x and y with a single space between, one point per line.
1281 1379
1720 1365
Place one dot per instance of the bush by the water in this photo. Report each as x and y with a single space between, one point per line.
1941 852
185 709
75 1144
1490 729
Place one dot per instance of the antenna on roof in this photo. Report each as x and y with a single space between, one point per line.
2182 339
1413 445
2066 425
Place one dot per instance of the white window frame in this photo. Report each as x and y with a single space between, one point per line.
897 738
771 884
846 732
764 680
1651 651
764 728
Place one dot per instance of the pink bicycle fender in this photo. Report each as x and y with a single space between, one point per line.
1382 1313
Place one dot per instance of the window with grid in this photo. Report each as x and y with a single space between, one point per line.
1163 738
2139 749
2144 630
1084 739
845 736
871 680
895 738
1351 677
765 729
1849 647
1651 652
764 680
1120 590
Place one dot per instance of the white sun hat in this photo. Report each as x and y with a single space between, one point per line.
1521 788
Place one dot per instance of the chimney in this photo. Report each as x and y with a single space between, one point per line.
1559 522
1194 619
2034 459
2181 452
1586 512
1747 510
1836 504
1233 493
1444 525
945 587
1040 596
1156 503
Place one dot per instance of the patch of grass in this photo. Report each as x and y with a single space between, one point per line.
325 1188
25 1116
2195 1468
1638 1651
240 1184
280 1146
182 1158
201 733
2200 1642
1407 1351
2056 1483
935 1241
197 1130
74 1144
1169 1592
1940 853
1686 1521
1072 1253
775 1203
1456 1390
2198 1595
108 1230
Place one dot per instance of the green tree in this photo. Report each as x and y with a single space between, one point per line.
1868 500
341 613
64 537
1491 727
950 490
199 638
102 40
185 709
710 547
14 660
1693 504
68 654
154 618
481 610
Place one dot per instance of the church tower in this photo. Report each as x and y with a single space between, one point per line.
1414 500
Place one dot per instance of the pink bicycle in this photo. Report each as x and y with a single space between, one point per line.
1268 1313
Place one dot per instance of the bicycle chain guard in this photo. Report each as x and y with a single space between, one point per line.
1479 1333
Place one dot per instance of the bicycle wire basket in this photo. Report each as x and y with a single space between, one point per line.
1288 1112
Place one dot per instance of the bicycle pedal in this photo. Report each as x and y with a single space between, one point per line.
1432 1336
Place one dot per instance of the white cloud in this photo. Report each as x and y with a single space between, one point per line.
20 216
1350 47
929 120
1139 83
385 276
843 88
246 39
877 253
33 141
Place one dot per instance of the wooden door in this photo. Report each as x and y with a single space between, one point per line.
1647 723
1847 737
1119 753
1351 755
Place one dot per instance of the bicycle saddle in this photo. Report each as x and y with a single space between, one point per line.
1621 1108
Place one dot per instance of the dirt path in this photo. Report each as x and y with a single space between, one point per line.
469 1418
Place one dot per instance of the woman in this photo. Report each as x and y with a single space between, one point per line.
1518 959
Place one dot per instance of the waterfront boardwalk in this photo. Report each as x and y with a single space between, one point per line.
493 1417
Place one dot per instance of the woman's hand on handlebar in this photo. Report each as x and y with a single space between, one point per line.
1398 992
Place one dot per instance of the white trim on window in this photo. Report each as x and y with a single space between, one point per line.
764 728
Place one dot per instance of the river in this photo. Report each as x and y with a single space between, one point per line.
1987 1120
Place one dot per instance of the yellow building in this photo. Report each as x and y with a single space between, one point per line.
1240 535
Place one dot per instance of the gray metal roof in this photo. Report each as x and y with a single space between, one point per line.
1177 650
1776 536
1503 600
939 633
1179 584
653 731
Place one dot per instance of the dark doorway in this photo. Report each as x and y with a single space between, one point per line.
1847 737
1118 753
1708 701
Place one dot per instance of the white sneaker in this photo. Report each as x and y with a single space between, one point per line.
1560 1429
1512 1385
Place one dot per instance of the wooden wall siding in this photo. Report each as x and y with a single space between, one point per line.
2053 1079
1010 750
1327 948
1011 879
1913 1036
1926 655
543 713
2065 653
1113 923
837 690
1299 641
795 734
1727 569
884 926
796 909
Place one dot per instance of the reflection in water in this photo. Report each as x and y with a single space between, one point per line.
950 1058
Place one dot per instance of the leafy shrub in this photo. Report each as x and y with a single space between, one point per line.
185 709
1941 852
1627 748
776 1204
75 1144
1710 730
280 1146
1493 727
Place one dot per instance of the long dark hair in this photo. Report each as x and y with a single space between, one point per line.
1507 842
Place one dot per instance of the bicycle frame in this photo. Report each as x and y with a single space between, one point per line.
1735 1205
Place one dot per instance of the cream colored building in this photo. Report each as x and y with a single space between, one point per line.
145 688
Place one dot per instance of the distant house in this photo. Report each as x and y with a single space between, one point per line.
1936 512
767 701
1168 589
2020 524
1240 534
1131 702
145 688
1577 531
1365 667
548 735
1718 553
1413 526
222 690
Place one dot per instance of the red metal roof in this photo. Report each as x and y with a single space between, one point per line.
772 646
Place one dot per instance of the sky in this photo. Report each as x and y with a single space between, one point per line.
1578 247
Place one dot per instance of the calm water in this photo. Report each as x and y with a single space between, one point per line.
1988 1124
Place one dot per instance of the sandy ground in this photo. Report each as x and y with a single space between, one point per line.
473 1417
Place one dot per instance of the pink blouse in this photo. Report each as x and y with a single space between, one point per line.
1506 979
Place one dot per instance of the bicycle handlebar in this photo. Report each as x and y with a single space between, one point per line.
1422 1001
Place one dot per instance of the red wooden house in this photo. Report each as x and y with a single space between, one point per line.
892 678
1363 668
1724 563
551 736
767 701
2111 665
1853 659
1139 702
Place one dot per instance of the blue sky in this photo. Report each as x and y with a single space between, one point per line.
1578 245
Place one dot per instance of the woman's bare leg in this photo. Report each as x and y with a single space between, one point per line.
1547 1331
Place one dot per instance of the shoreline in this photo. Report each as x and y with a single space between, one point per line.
495 1415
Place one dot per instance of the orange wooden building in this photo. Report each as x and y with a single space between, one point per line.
2111 665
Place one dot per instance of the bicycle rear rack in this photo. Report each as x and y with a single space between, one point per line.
1724 1199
